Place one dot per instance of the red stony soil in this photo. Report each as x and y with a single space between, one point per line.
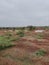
22 53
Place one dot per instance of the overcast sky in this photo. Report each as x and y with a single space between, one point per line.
24 12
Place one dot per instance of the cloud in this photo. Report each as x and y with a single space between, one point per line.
24 12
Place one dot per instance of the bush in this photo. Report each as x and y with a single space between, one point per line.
15 39
5 43
8 34
2 47
41 53
46 28
31 28
20 33
39 36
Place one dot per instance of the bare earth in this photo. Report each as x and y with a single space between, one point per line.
23 53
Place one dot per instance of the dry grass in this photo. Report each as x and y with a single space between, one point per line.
27 50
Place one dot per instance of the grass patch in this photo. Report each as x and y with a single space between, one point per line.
15 39
5 42
25 60
40 52
20 33
39 36
8 34
7 39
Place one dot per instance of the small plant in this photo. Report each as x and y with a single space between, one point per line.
2 47
46 28
14 39
40 52
20 33
8 34
5 43
38 36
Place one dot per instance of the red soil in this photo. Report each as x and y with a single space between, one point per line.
25 47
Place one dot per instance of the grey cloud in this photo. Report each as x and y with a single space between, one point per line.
24 12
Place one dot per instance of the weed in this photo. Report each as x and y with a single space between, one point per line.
15 39
39 36
25 60
20 33
40 52
8 34
5 43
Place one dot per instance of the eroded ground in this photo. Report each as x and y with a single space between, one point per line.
31 49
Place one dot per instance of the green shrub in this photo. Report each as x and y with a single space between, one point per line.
5 43
30 28
39 36
40 52
8 34
20 33
2 47
14 39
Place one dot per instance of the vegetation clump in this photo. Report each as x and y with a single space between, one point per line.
8 34
20 33
30 28
40 52
39 36
5 42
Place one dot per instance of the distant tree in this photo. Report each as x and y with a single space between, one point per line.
23 28
31 28
13 28
46 28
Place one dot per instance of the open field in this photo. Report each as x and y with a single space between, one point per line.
24 47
